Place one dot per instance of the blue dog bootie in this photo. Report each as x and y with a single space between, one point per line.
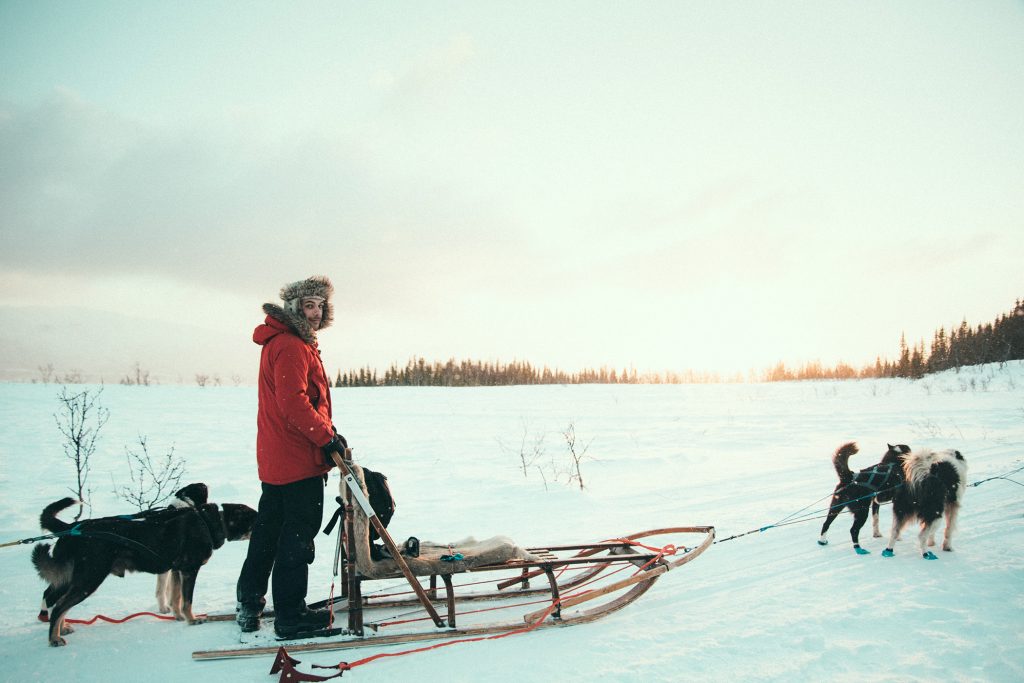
888 552
929 555
861 551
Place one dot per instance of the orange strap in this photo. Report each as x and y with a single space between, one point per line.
110 620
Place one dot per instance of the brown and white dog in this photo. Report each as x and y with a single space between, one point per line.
179 540
168 584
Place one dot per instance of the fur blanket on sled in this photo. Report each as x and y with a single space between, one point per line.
495 550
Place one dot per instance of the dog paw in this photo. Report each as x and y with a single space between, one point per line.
888 552
66 630
861 551
929 555
59 642
197 620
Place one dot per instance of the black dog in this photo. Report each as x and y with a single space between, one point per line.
935 485
168 585
858 492
155 541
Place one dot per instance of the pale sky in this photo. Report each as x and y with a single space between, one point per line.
715 186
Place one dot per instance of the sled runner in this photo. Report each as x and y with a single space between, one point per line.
419 600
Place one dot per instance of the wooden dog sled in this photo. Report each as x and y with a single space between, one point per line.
540 587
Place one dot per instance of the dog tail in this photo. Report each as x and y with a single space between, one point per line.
841 459
54 571
48 520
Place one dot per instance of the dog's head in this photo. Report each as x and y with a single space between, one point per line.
954 458
238 521
895 453
194 495
950 467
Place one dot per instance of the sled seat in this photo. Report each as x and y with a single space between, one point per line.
497 550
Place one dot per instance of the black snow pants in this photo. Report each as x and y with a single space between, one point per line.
287 521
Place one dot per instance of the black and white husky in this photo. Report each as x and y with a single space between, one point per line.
935 484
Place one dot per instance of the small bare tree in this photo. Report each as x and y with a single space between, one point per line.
576 454
73 376
46 373
530 448
138 376
201 380
152 482
80 419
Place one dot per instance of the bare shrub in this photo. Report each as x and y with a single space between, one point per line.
137 377
80 419
530 448
152 482
72 376
45 373
576 455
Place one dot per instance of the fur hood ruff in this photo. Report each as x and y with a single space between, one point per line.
291 315
298 323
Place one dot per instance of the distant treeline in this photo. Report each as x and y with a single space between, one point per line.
996 342
469 373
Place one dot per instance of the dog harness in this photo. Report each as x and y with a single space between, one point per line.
875 478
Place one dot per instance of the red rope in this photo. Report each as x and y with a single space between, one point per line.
111 620
382 624
330 606
558 574
669 549
348 666
664 550
378 596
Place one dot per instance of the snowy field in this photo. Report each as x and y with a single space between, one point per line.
771 605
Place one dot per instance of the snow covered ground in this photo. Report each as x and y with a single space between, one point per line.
771 605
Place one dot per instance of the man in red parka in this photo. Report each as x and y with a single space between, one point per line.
294 438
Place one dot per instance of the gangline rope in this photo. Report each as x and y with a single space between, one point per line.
794 518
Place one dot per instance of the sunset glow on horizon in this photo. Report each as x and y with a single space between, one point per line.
711 187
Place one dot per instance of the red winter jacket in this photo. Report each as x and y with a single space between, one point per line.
294 418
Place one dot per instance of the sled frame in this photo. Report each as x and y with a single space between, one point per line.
634 587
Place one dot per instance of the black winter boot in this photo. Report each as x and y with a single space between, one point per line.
248 617
292 625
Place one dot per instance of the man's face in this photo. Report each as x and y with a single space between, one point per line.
314 312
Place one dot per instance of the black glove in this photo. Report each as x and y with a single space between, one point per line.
335 445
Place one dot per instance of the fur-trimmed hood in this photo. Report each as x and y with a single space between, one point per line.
290 314
296 323
316 285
